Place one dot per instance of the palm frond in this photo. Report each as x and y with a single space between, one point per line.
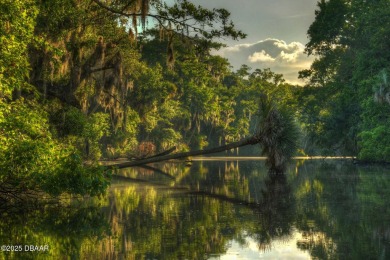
279 135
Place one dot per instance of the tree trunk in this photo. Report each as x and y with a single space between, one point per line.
247 141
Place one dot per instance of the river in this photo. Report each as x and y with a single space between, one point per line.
217 209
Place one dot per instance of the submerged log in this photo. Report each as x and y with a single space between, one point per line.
247 141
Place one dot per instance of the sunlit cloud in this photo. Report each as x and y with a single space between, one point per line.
293 46
260 56
281 57
289 57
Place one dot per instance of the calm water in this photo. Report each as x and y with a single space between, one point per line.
322 209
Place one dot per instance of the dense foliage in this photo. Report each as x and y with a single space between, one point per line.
31 160
86 80
346 105
82 81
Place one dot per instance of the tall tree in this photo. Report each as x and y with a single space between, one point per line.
349 39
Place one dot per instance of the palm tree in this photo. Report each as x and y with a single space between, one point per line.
278 134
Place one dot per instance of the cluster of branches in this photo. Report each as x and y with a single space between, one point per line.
183 17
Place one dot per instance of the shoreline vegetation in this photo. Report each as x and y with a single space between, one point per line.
99 80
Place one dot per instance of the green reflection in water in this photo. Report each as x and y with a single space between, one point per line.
339 211
344 211
64 230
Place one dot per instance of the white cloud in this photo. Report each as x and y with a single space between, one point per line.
289 57
293 46
237 47
278 55
260 56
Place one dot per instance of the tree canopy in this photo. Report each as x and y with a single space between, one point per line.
85 80
346 102
82 81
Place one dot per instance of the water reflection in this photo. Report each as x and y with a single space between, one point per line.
64 230
319 209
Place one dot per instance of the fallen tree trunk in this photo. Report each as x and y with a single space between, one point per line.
247 141
166 152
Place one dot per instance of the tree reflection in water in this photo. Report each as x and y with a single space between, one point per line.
198 213
156 223
63 229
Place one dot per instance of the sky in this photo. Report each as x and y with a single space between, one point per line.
276 34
